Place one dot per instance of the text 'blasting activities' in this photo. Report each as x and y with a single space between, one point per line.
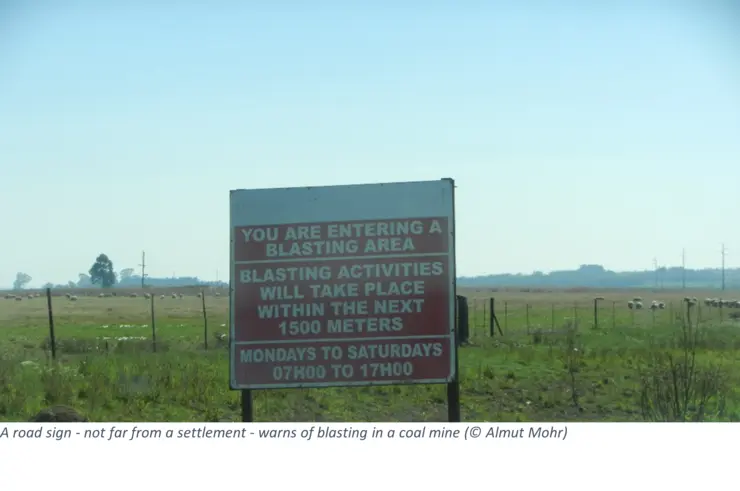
304 432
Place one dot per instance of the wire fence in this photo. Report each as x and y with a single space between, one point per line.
476 317
487 316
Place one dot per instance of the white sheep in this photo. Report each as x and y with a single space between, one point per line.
654 305
73 298
161 297
174 295
638 305
147 296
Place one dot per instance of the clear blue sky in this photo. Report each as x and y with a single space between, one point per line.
581 132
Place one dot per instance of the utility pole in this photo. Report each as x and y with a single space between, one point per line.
143 267
683 269
655 266
724 252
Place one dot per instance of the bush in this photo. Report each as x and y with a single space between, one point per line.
677 386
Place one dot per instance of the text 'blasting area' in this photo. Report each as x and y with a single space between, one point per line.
366 292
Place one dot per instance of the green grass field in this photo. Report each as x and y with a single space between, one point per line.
551 364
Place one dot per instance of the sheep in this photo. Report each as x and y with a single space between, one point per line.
637 299
638 305
661 305
174 295
133 295
219 294
654 305
200 295
8 296
147 296
73 298
735 316
67 295
707 302
18 299
161 297
30 297
181 295
630 305
101 295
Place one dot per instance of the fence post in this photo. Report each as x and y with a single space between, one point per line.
506 316
596 311
205 320
526 313
52 338
552 317
491 316
154 329
575 315
463 329
614 314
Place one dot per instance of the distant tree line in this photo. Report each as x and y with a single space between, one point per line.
594 276
103 275
588 275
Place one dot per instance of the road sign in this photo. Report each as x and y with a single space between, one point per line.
343 285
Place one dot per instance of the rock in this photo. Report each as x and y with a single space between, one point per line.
58 414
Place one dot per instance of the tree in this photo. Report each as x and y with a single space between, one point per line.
84 281
125 274
21 280
102 272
